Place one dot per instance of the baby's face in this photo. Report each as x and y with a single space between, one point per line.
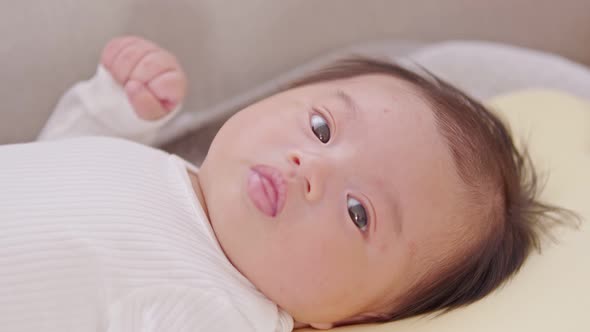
366 203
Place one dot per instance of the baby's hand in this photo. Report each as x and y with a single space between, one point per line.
152 77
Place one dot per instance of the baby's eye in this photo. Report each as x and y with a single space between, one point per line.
320 128
357 213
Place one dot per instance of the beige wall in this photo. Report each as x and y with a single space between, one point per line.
229 46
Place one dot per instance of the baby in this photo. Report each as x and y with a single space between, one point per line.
362 193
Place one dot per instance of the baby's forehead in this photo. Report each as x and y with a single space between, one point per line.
387 98
385 93
396 130
382 82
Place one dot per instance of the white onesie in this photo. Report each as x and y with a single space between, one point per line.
104 234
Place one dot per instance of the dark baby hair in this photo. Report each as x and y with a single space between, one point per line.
501 184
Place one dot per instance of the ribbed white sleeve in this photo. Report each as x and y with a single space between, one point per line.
100 107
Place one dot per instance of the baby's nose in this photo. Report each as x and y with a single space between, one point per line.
310 171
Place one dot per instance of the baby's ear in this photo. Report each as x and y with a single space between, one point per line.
321 326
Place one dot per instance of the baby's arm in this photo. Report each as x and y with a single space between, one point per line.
137 89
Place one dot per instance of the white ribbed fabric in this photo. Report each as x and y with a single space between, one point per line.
104 234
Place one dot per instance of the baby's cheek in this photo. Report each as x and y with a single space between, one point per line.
325 260
317 259
412 248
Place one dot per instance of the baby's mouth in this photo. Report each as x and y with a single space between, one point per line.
267 189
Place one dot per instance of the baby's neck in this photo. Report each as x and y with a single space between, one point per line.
198 192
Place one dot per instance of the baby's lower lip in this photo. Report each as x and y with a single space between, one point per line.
267 189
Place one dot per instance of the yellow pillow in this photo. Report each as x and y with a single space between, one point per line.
552 291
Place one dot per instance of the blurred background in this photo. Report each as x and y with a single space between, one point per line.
228 47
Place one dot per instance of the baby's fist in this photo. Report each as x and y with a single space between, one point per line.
152 77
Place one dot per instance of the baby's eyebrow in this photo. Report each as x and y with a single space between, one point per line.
347 99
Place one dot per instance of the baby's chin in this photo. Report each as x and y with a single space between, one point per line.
299 325
323 320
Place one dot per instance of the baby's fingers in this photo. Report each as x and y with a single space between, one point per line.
170 88
114 47
128 58
144 102
154 64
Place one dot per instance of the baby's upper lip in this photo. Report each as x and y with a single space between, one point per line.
276 178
